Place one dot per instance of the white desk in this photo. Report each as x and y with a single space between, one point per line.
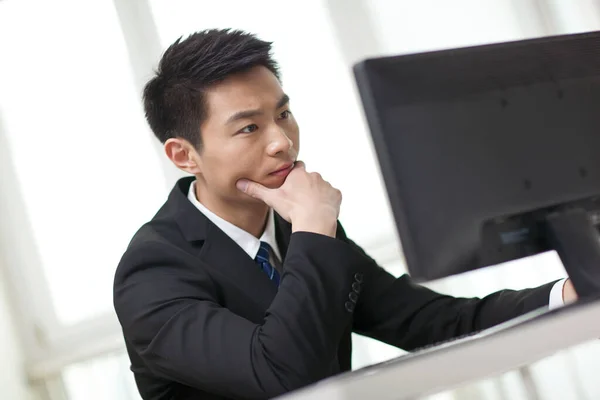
506 347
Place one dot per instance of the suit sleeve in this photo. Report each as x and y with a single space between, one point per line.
174 320
404 314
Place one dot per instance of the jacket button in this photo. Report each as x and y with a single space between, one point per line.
349 306
353 297
358 277
356 287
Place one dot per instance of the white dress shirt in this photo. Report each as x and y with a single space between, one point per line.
250 244
556 295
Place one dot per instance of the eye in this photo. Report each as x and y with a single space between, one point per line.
249 129
285 115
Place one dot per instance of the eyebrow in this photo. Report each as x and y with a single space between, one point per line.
252 113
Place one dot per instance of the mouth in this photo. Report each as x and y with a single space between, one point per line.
284 170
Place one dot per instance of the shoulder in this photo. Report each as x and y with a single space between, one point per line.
158 268
157 248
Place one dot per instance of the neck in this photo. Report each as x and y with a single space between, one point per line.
250 216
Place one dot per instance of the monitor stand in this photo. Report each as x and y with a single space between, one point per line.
572 234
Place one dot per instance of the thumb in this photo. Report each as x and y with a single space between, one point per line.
254 189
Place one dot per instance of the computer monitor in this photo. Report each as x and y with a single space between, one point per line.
491 153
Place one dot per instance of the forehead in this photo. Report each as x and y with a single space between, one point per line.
257 88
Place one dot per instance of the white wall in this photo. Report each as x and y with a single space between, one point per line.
407 26
13 382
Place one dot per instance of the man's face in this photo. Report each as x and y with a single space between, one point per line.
249 133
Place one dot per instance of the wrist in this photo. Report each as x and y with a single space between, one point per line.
568 293
324 226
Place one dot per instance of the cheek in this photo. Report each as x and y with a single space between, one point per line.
245 162
234 161
294 135
218 168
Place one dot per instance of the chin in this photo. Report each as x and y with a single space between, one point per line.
273 182
273 185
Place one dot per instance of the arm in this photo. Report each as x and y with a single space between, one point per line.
406 315
172 318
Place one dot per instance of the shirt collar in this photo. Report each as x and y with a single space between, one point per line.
248 242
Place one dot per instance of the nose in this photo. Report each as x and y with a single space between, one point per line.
279 142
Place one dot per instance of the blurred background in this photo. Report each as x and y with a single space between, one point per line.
80 170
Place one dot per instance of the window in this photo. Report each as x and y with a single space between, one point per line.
88 170
573 17
102 378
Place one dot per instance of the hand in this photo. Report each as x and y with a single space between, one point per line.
569 293
305 199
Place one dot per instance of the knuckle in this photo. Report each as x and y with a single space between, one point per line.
252 190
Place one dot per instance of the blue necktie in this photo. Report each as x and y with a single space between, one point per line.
262 258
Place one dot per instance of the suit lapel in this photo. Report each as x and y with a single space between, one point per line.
227 259
217 250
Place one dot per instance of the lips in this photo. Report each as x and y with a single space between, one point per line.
283 169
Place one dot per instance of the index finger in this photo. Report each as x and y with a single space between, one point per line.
299 164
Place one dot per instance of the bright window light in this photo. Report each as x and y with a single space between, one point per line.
86 163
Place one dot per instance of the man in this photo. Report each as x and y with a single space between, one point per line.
244 285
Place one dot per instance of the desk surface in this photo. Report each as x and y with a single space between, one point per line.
505 347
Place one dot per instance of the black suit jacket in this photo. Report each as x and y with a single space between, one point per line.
202 321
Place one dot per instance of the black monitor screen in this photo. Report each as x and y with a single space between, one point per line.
477 145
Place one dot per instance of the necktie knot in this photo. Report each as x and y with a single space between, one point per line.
264 252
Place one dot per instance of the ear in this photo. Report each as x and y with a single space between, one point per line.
184 155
